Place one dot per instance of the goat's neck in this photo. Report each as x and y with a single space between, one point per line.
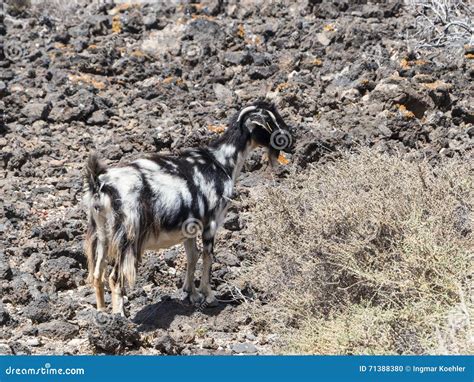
231 151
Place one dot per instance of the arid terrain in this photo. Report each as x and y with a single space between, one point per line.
389 79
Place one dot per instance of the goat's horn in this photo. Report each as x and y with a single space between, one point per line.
245 111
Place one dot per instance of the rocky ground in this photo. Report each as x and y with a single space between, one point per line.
159 76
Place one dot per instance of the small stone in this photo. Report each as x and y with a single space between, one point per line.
232 222
150 22
163 41
76 342
223 94
463 113
385 130
32 263
98 117
423 78
229 259
385 91
33 342
60 272
165 344
20 292
4 315
237 58
262 59
262 72
350 94
113 334
36 110
39 310
20 349
30 330
170 257
3 89
185 336
5 270
250 336
57 329
246 347
5 349
470 132
370 10
209 343
323 39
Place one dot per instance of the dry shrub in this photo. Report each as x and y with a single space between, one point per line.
442 23
369 254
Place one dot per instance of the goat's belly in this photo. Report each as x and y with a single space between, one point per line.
165 239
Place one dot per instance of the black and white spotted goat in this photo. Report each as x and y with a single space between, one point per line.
163 200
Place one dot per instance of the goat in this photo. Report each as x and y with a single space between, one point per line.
163 200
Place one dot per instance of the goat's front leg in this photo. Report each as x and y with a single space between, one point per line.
207 257
192 256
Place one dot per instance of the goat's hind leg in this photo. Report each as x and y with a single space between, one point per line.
95 248
98 276
192 256
117 289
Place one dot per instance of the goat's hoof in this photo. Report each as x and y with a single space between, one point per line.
196 298
193 297
120 312
211 301
210 298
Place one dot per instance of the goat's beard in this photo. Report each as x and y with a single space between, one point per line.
273 156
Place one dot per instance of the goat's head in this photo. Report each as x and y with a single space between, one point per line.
267 128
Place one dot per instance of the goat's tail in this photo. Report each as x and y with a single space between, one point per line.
94 168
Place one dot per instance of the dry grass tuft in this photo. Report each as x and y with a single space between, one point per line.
369 254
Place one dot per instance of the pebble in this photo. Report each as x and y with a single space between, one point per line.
33 342
244 348
5 349
76 342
